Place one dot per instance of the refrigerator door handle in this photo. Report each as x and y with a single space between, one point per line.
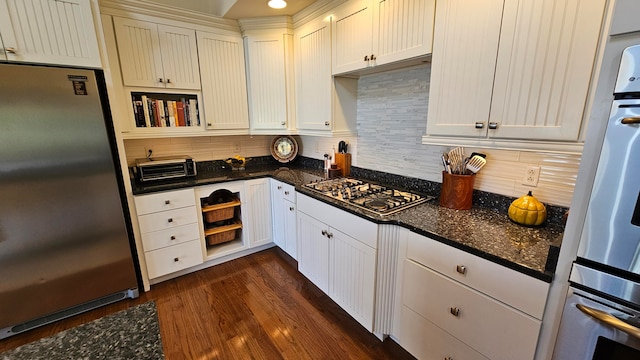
610 320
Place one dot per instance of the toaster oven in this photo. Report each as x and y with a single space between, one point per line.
162 168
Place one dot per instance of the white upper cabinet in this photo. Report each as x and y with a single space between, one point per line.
224 90
49 32
368 33
157 55
268 80
324 105
512 69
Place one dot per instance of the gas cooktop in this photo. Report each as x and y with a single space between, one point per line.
375 198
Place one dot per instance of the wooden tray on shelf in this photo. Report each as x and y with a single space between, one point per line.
224 233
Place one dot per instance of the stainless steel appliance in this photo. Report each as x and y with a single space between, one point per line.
375 198
165 167
64 238
603 306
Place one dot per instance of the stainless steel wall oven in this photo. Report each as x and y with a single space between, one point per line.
601 319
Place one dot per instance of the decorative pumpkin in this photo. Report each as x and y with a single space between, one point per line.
527 210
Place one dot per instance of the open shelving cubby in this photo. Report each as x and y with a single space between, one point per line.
222 219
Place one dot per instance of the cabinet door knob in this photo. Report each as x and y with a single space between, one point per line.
160 80
279 187
366 58
10 50
170 220
448 358
209 124
461 269
291 208
479 125
168 81
324 232
326 123
176 259
493 125
167 202
283 123
373 57
286 193
329 235
173 237
454 311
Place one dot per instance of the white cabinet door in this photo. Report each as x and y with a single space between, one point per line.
224 87
352 271
258 202
284 217
153 55
404 29
543 70
49 32
313 75
290 223
313 251
278 214
465 48
267 80
352 38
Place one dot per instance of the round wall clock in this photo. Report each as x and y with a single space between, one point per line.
284 148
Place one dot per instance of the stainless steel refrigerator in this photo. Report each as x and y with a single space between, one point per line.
64 238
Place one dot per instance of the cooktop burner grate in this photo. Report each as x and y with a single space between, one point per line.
368 196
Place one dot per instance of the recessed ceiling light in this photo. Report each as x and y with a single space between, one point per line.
277 4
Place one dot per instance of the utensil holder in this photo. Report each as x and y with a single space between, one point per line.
457 191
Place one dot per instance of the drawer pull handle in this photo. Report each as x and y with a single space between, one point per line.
461 269
170 220
167 202
454 311
291 208
173 237
176 259
286 193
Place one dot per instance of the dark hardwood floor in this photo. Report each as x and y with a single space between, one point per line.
255 307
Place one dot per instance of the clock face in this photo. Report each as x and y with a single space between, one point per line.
284 148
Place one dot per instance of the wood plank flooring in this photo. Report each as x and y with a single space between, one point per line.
255 307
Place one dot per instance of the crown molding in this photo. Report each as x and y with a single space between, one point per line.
315 10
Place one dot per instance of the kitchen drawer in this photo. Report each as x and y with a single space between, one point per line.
494 329
352 225
168 200
424 340
173 258
167 219
172 236
523 292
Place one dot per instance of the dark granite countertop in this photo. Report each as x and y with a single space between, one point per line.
485 231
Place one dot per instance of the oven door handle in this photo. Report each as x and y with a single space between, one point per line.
610 320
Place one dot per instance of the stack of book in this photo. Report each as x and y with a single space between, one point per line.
155 112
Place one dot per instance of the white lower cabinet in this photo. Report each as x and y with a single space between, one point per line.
457 305
337 252
170 232
283 202
258 205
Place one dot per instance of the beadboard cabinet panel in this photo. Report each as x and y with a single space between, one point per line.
267 81
224 88
352 36
49 32
543 70
313 251
258 204
157 55
465 49
405 29
313 75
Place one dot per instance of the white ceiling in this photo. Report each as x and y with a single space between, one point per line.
236 9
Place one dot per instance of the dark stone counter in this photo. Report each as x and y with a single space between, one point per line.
485 230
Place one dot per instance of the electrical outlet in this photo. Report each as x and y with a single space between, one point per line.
531 176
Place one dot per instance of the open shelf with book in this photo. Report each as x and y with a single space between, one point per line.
164 113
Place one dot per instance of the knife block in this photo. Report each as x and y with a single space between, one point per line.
344 162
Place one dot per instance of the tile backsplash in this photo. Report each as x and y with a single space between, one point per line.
391 119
